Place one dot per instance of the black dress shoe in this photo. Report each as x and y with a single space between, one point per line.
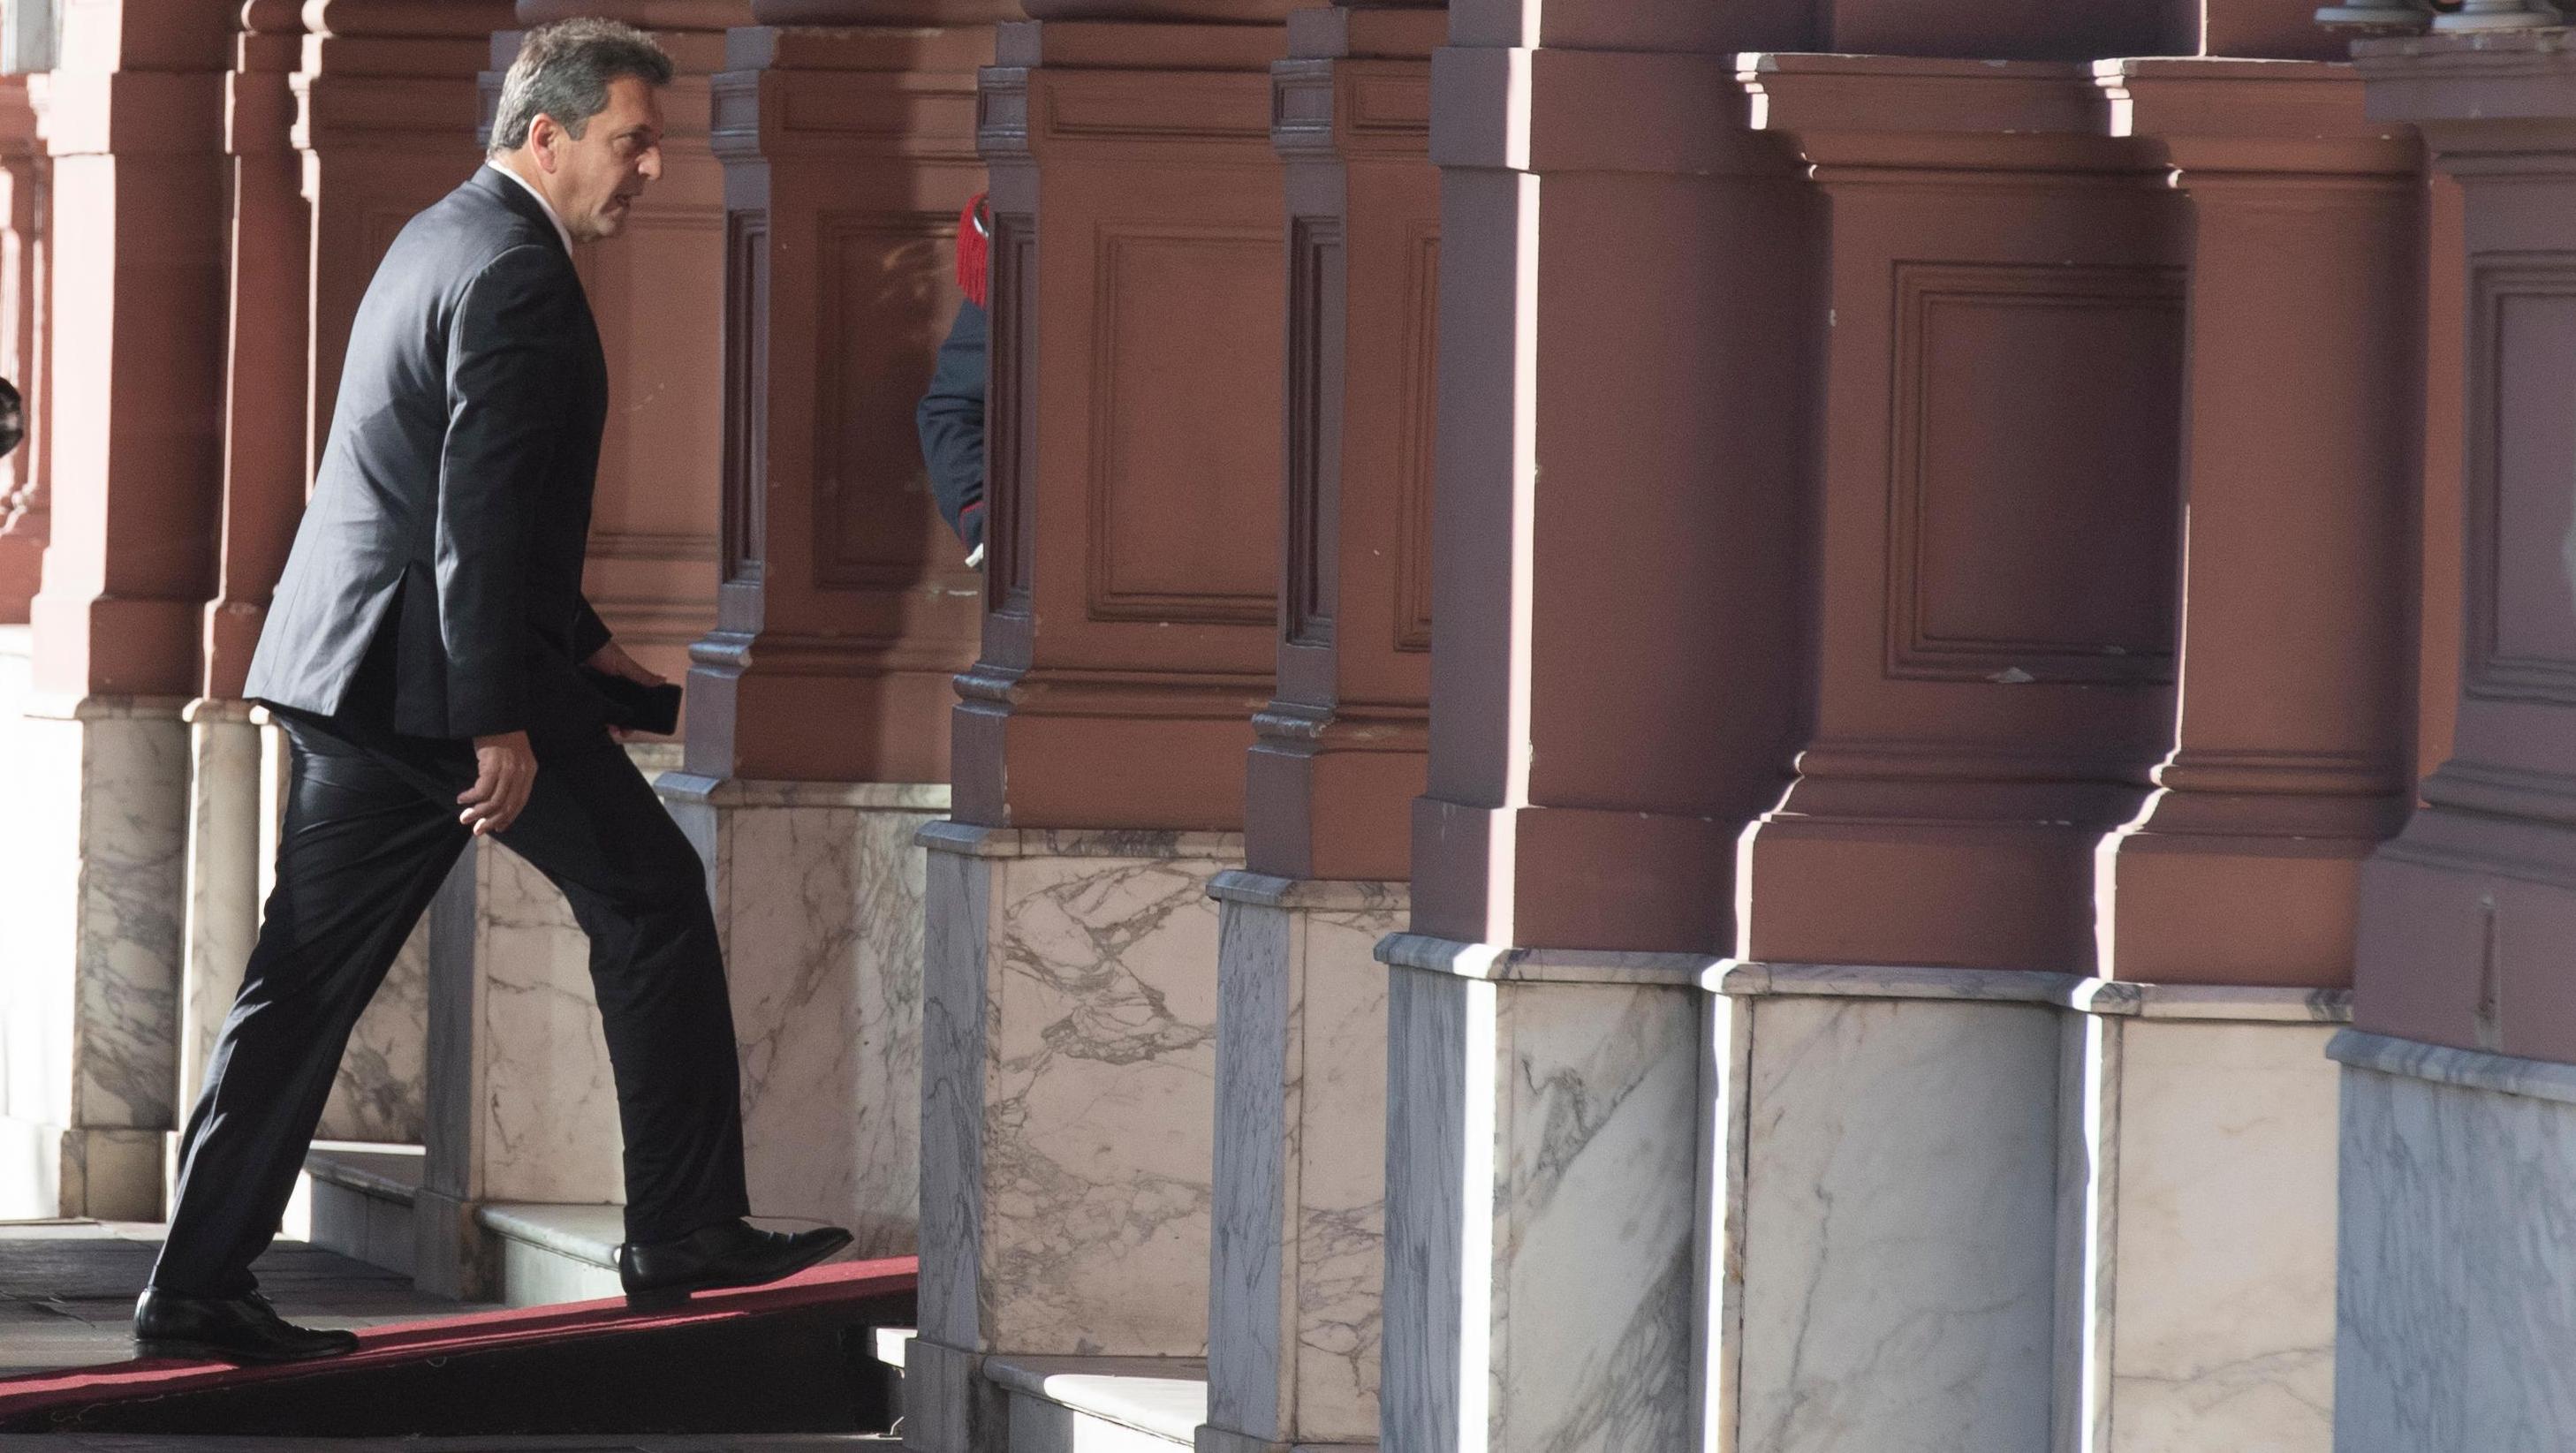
727 1254
229 1329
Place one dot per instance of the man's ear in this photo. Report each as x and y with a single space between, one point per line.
543 137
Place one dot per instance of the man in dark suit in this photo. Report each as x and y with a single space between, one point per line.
425 652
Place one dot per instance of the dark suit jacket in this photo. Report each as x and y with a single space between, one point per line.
951 421
435 583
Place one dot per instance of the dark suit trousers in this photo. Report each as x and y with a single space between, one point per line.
370 833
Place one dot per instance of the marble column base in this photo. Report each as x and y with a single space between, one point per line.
2021 1212
54 1170
949 1406
532 1070
1299 1241
1543 1199
2455 1329
2196 1276
818 891
1068 1108
92 910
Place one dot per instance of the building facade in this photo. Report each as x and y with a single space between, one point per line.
1804 726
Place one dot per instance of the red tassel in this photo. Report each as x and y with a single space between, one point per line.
974 253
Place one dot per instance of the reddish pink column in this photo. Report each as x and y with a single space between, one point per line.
845 605
1342 745
2464 914
1997 549
135 131
1133 426
89 920
1595 749
267 345
2291 756
23 186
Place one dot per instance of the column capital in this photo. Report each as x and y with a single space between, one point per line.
834 13
1182 12
643 14
2219 116
2451 944
2461 86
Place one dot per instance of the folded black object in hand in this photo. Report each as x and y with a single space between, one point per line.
636 706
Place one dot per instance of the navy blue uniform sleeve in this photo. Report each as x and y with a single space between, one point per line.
951 420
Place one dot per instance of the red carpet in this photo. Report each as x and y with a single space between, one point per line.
576 1367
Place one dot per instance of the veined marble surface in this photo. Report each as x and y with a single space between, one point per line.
95 936
1069 1116
819 901
1899 1226
1300 1159
547 1100
1542 1208
2455 1329
381 1090
957 1037
1598 1207
2211 1188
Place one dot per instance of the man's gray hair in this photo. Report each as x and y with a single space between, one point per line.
563 71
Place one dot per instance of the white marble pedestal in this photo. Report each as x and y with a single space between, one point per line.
92 895
2021 1213
1068 1109
2455 1329
1543 1199
522 1106
2197 1240
1300 1191
818 891
1892 1207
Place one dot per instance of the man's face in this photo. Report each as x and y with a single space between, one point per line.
595 177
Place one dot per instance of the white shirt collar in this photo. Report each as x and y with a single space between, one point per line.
525 186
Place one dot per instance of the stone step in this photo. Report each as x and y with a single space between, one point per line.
555 1253
356 1199
1101 1404
888 1345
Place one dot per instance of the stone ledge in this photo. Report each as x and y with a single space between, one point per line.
389 1173
2252 1003
555 1253
976 841
1165 1397
2468 1069
1542 965
588 1234
682 786
2239 1003
1320 895
1742 979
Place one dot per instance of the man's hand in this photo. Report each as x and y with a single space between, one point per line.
505 767
612 660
